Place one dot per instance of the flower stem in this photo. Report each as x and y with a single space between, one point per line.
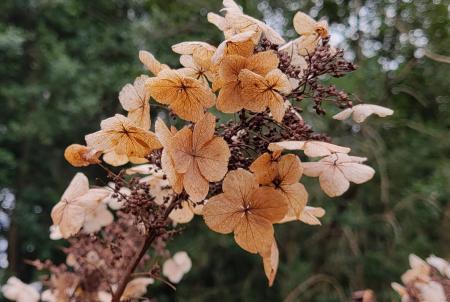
152 235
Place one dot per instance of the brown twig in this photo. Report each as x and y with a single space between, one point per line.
142 251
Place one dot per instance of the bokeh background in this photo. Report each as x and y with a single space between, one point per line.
63 62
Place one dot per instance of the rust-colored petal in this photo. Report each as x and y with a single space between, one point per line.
262 62
297 198
203 131
222 214
212 159
270 263
289 169
264 168
181 150
229 99
268 203
195 184
239 184
254 234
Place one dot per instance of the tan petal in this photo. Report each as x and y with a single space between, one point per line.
254 234
195 184
311 148
222 214
333 182
289 169
265 169
72 219
181 150
175 179
357 173
151 63
286 145
310 215
141 116
362 111
317 148
271 263
183 214
187 61
188 48
239 184
276 106
115 159
203 131
240 44
163 133
304 24
268 203
212 159
297 197
314 169
79 185
229 99
262 62
218 21
343 115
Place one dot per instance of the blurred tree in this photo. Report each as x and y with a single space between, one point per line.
63 63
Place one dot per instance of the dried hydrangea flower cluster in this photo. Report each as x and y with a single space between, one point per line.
425 281
242 176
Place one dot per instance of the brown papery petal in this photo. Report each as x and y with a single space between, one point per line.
212 159
268 203
289 169
181 150
304 24
270 263
229 99
203 131
333 182
254 234
239 184
231 66
195 184
151 63
265 168
297 198
263 62
222 214
175 179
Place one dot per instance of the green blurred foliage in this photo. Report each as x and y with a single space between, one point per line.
63 63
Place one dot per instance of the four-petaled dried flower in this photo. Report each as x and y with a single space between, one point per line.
230 96
336 171
247 210
283 173
200 156
186 96
121 140
70 212
260 92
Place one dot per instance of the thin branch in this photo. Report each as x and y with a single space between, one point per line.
142 251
